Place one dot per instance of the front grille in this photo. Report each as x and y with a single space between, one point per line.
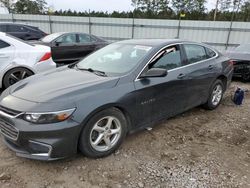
9 111
8 130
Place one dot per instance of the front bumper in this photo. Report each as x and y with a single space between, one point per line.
40 142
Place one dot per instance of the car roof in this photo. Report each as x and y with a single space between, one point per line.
151 42
19 24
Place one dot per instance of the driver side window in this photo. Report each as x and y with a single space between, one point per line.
67 39
170 59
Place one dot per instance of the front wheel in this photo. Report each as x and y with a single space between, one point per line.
103 133
215 95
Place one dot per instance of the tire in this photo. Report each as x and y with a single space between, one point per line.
15 75
93 140
215 95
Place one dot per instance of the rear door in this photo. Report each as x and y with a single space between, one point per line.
86 45
201 72
7 53
160 98
64 48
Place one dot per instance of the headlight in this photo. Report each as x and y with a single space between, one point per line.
48 117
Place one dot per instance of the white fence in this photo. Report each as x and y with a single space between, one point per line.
221 35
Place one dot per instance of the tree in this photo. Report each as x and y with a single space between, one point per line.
245 11
30 7
225 5
154 6
8 4
194 9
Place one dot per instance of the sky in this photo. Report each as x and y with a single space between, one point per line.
97 5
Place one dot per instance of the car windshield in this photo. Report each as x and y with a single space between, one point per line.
50 38
115 59
243 48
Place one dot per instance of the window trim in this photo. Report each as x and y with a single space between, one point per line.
182 57
184 66
78 38
204 48
55 40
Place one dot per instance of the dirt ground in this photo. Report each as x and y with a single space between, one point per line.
197 149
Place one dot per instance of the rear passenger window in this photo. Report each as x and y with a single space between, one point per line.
3 44
170 59
195 53
210 53
15 28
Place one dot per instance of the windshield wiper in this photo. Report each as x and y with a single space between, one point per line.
97 72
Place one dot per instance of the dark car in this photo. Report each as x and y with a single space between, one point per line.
241 59
24 32
71 47
122 88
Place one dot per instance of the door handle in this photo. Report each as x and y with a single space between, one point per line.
181 76
210 67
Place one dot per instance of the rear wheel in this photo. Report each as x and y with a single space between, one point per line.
15 75
215 96
103 134
246 77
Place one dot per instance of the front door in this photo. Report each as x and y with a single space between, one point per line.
163 97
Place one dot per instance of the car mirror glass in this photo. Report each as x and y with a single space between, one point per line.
154 72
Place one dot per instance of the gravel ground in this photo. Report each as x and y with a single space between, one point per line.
196 149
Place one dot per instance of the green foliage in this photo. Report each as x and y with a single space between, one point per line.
8 4
30 7
152 9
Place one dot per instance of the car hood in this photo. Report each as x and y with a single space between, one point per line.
60 85
238 56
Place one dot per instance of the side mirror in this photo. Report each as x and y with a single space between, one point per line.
57 43
154 72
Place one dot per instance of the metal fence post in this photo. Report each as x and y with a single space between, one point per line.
89 23
133 28
50 25
12 17
179 28
229 33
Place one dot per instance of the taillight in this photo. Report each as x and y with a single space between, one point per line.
231 62
45 57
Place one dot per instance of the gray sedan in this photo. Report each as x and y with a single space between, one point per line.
124 87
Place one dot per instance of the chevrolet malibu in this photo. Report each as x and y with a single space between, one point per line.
124 87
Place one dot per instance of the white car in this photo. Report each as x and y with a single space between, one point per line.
19 60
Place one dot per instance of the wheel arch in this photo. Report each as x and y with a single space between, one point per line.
12 68
223 78
104 107
107 106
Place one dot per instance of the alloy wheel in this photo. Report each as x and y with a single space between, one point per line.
217 95
18 75
105 133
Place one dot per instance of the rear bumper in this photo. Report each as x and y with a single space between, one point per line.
44 66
